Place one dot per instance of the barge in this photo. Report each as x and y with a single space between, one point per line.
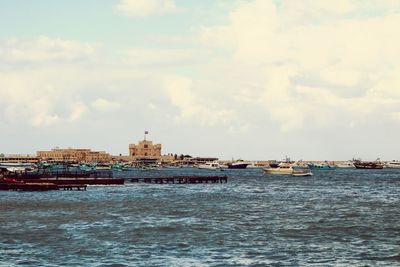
63 177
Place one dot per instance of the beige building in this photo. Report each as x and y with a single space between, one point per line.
71 154
145 148
18 158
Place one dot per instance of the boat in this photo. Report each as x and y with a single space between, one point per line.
377 164
7 184
284 167
254 165
239 164
103 167
86 167
281 168
345 164
65 177
302 173
209 165
393 164
321 166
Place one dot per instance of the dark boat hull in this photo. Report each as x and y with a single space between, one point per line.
369 165
65 178
28 186
78 181
238 166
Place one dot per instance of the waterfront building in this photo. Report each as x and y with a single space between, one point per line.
74 155
145 148
17 158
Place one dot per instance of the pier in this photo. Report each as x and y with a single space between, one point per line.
40 187
181 180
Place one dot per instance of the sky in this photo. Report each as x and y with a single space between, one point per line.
250 79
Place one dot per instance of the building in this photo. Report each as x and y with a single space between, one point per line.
145 148
18 158
74 155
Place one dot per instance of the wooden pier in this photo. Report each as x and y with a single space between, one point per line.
180 180
21 186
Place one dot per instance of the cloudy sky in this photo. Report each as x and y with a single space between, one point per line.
253 79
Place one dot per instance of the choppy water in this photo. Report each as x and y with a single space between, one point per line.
335 218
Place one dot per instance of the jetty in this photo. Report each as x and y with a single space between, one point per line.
180 180
63 177
20 186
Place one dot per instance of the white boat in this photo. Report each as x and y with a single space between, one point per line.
103 167
253 165
209 165
345 164
302 173
393 164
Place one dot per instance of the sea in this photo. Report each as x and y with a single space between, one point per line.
342 217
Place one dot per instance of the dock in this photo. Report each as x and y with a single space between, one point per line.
40 187
180 180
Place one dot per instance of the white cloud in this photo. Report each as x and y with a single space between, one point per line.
316 68
152 57
105 105
78 110
181 93
140 8
38 80
44 49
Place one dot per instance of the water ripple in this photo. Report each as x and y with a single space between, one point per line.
340 218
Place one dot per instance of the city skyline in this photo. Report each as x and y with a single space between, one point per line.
257 79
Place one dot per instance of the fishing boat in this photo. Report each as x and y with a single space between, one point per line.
377 164
281 168
120 167
321 166
103 167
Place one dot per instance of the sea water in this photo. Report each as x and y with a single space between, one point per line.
344 217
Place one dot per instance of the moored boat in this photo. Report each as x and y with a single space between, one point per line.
282 168
393 164
321 166
103 167
209 165
62 177
239 164
377 164
345 164
302 172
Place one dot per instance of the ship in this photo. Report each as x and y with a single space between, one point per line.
280 168
239 164
321 166
377 164
61 177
